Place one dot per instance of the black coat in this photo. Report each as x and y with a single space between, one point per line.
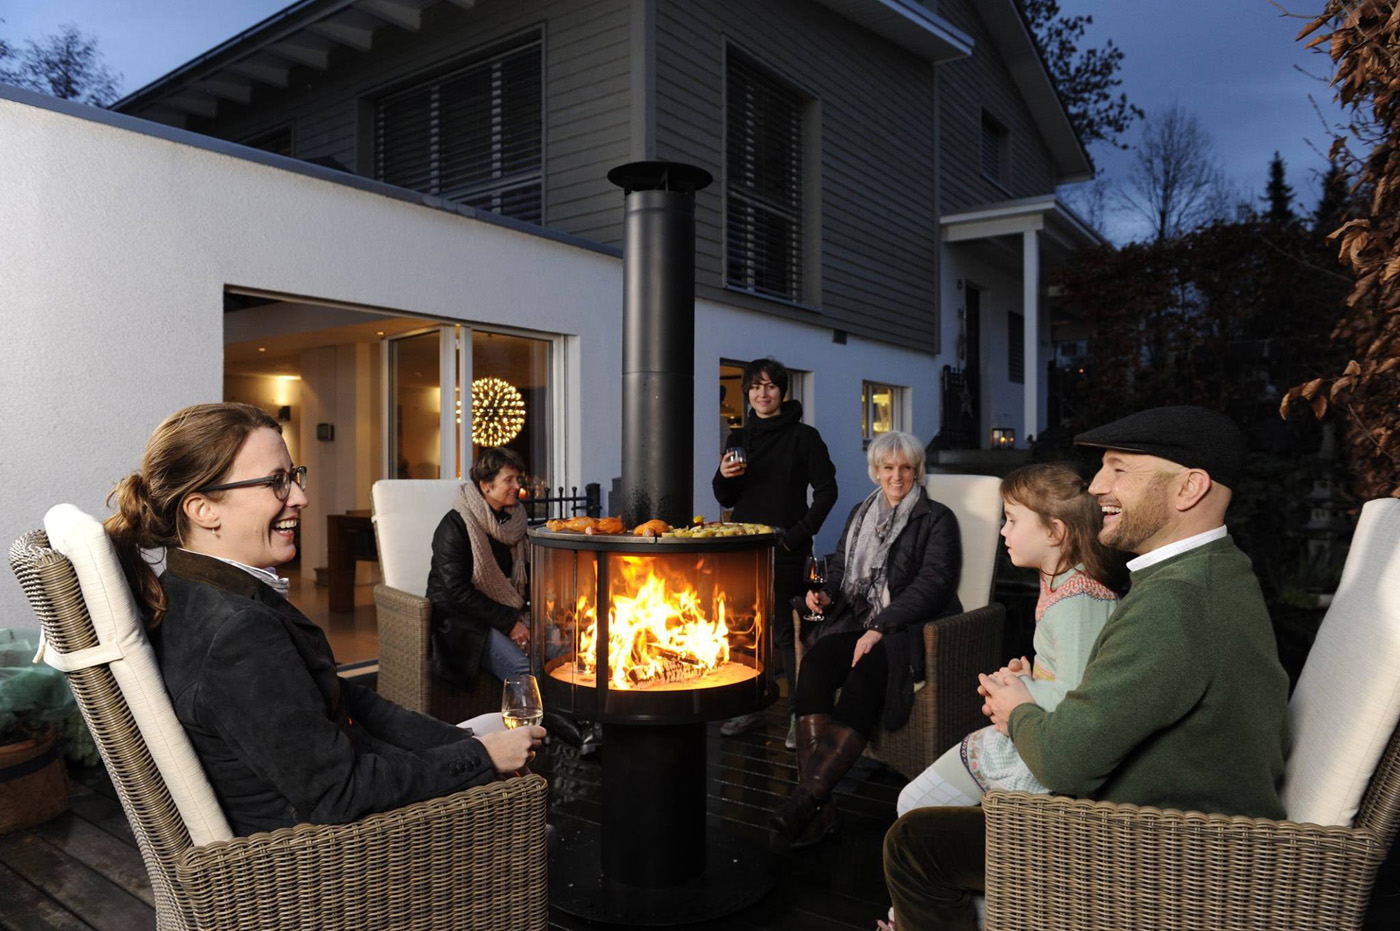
282 738
462 615
785 456
923 569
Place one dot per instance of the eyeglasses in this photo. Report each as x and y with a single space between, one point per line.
279 482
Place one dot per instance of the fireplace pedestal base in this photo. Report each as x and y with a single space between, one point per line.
654 860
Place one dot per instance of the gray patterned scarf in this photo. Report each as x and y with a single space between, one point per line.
875 526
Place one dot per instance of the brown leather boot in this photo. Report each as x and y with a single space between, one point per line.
809 815
810 728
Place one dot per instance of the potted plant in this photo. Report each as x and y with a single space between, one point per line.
39 726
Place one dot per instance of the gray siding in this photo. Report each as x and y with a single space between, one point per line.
966 88
586 97
877 220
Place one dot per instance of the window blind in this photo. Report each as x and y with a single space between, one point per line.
473 136
763 156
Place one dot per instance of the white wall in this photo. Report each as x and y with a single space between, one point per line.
116 249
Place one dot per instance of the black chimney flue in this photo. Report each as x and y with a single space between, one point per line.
658 339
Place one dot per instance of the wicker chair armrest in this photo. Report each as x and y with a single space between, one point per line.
474 859
957 648
1071 863
405 625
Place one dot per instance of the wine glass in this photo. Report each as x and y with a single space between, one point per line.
520 702
814 580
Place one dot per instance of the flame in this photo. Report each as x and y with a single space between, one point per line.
657 629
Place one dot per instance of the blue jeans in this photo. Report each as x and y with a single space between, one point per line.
503 658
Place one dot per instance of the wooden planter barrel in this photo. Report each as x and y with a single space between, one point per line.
33 782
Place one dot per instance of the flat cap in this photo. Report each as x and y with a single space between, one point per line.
1194 437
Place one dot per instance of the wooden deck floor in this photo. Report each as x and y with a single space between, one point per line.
81 871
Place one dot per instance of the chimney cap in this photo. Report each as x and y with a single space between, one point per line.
660 176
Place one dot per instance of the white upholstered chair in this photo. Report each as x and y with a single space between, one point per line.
387 870
406 513
1059 862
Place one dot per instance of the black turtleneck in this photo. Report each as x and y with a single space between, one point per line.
785 457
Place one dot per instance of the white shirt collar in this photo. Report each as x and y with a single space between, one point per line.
1162 553
266 576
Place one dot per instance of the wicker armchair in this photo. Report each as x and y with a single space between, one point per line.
406 512
475 859
1074 864
955 648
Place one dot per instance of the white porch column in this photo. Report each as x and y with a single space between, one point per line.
1030 295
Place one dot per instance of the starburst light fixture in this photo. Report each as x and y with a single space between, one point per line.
498 412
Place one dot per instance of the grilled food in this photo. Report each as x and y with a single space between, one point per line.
652 528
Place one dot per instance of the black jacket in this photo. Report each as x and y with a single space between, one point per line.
785 456
282 738
923 568
462 615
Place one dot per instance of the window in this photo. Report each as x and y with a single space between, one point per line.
763 192
1016 347
996 149
883 409
473 136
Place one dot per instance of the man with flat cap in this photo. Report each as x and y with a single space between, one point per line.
1183 703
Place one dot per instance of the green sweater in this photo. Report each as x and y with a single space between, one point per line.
1183 703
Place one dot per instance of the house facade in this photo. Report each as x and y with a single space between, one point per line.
367 214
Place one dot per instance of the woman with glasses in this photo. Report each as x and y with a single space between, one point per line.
282 738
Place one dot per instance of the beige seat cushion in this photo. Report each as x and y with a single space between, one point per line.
1347 702
128 653
976 502
406 512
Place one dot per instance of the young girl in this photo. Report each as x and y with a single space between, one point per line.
1052 523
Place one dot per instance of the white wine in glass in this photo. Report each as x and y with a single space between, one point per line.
520 702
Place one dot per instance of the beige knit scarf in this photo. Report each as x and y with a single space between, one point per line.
482 524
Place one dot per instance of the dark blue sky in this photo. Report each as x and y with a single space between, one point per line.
1231 62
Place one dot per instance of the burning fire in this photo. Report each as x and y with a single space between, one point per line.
658 630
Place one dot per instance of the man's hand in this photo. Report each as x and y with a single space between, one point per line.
816 601
511 750
865 644
1003 694
520 634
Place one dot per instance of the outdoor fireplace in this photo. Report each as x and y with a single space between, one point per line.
687 628
654 637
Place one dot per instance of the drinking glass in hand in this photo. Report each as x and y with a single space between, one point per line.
738 456
520 702
814 580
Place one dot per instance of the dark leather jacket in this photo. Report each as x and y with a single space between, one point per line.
282 738
923 567
462 614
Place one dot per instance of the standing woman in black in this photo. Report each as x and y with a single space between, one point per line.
784 458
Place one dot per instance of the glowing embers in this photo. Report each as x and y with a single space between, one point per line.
663 633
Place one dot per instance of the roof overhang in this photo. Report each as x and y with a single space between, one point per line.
1047 215
1012 38
302 35
910 25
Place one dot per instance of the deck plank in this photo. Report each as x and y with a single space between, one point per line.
99 851
25 908
71 884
